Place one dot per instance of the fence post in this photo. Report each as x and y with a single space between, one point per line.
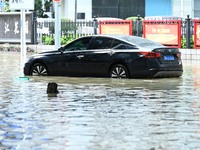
138 24
188 31
95 25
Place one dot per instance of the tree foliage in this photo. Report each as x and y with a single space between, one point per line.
38 8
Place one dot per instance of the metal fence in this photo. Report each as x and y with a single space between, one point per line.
45 27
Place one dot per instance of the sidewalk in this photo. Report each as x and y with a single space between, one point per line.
190 54
187 54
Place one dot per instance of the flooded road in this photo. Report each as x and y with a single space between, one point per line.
98 113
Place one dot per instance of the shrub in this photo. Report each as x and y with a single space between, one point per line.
184 42
66 40
49 40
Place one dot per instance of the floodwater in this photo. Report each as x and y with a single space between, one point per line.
98 113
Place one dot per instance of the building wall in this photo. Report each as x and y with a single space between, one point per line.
196 8
83 6
118 8
158 8
127 8
182 8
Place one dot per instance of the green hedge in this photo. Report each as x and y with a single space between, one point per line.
184 44
49 40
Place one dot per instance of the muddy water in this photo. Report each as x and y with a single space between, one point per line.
98 113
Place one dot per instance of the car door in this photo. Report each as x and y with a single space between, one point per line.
98 56
73 54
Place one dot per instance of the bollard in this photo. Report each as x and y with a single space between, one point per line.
52 90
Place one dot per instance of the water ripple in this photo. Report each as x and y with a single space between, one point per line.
96 113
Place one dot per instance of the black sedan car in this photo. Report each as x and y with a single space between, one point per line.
116 56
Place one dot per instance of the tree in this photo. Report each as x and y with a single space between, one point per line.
38 8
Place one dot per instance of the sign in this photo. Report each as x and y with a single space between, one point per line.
196 33
21 4
10 27
164 32
116 27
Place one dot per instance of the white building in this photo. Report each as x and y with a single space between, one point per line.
182 8
84 8
178 8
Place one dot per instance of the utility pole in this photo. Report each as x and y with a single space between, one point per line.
75 12
57 23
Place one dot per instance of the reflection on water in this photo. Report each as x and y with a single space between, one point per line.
97 113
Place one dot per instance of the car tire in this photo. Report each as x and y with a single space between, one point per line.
119 71
39 69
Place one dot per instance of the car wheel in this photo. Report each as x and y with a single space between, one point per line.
119 71
39 69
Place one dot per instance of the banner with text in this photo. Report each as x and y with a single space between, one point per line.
116 27
196 33
10 27
165 32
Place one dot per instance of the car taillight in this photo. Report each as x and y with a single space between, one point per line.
150 54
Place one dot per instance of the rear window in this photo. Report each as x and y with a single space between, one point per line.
122 45
101 43
142 42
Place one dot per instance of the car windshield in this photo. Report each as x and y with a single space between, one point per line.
141 42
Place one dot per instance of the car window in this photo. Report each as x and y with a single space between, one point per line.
101 43
117 44
142 42
80 44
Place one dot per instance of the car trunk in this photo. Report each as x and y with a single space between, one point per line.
168 56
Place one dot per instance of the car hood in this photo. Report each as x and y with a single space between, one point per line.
48 52
42 54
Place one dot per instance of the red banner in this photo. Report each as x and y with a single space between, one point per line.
196 33
164 32
116 27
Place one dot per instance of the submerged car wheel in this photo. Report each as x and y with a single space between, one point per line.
39 69
119 71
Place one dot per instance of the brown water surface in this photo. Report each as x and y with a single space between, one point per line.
98 113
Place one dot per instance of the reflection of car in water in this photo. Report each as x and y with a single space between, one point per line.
117 56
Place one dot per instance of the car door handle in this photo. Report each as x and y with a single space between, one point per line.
80 56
